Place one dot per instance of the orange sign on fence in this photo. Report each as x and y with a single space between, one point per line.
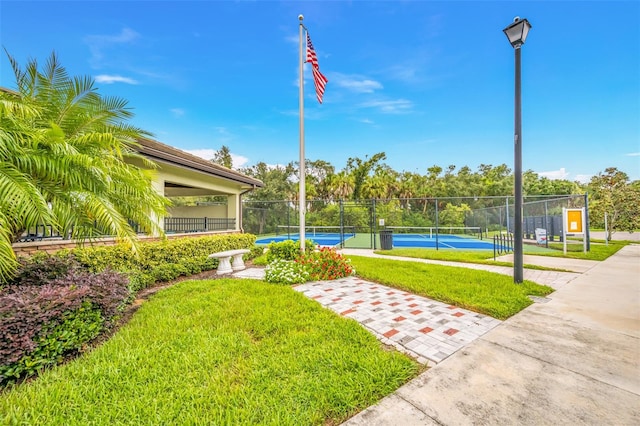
574 221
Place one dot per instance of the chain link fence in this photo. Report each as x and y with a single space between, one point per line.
480 217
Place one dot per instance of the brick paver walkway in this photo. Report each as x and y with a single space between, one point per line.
420 327
425 329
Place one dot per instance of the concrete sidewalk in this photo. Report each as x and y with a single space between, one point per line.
573 360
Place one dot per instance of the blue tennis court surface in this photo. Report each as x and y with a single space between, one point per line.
329 240
443 241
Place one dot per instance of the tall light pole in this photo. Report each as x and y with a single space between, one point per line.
517 34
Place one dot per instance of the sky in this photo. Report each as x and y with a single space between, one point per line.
426 82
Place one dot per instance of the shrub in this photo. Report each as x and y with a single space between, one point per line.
287 250
159 261
40 324
326 264
168 272
261 260
282 271
42 268
256 251
139 280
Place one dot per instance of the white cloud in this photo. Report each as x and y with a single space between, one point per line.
237 160
178 112
125 36
355 83
390 107
633 154
98 43
222 130
555 174
583 178
110 79
404 72
366 121
207 154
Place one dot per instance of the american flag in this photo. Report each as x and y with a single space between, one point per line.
318 79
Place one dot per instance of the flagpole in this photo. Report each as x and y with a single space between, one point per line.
302 203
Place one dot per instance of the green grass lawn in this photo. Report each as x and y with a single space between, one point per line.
482 257
597 251
224 351
470 256
480 291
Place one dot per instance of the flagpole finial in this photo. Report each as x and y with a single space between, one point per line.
300 17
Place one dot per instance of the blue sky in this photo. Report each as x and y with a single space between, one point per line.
427 82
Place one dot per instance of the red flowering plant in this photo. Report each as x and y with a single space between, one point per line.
326 264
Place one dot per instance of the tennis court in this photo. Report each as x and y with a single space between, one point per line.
441 241
461 238
448 237
329 236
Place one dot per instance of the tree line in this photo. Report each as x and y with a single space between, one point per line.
610 191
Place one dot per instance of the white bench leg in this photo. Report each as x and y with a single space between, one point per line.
224 266
238 262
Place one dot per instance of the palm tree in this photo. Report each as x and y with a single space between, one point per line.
62 152
341 185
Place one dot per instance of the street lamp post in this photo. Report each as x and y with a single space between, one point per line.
517 34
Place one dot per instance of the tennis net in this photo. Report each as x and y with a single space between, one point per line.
432 231
316 231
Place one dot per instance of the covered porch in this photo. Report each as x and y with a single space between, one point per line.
205 196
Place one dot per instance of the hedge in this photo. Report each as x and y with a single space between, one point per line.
161 261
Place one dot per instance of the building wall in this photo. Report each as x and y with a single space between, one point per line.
169 173
200 185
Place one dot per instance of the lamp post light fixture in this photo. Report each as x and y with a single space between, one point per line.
517 33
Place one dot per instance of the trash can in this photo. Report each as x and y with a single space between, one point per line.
386 239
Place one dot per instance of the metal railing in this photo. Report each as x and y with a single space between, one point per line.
172 225
198 224
502 244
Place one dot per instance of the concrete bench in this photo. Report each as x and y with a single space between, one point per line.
225 265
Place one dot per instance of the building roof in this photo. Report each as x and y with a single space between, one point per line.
155 150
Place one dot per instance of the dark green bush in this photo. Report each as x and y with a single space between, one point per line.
287 250
256 251
42 323
55 341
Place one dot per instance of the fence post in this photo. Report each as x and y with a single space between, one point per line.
587 234
437 221
341 224
546 223
374 225
494 247
506 199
